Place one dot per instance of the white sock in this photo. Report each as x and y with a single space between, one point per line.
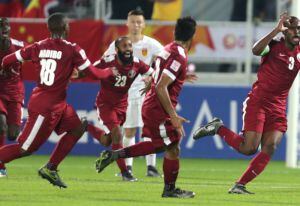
126 143
151 158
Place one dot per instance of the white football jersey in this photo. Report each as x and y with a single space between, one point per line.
145 50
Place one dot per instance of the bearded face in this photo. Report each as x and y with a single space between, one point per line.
124 51
4 29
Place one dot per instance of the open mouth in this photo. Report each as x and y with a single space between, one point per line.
127 54
5 35
296 38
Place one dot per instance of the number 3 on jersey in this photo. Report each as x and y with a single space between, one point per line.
291 63
47 74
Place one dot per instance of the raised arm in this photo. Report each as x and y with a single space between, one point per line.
261 47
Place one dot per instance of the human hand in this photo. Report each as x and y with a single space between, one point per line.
282 23
177 122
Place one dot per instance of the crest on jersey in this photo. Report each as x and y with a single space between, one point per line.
298 57
144 52
131 74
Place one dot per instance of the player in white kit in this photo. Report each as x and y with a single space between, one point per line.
145 48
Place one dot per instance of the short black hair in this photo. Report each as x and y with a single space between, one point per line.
136 12
118 40
291 21
4 22
185 28
56 23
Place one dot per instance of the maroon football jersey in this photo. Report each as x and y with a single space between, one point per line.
115 89
54 60
172 61
11 85
276 73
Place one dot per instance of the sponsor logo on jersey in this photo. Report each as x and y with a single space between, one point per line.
144 52
282 55
175 65
131 74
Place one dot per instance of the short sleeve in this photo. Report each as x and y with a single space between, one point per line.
80 59
105 61
173 67
26 53
111 49
18 44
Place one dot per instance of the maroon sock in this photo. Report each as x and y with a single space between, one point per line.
62 149
257 165
95 132
10 152
139 149
232 139
171 169
121 162
2 140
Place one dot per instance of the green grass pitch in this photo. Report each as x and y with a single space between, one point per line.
210 179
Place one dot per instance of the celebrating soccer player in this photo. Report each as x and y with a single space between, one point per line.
264 110
54 58
11 90
112 102
161 122
145 48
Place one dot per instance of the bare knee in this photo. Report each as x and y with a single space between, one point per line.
130 132
13 132
250 151
116 135
105 140
269 148
25 153
173 152
78 132
3 129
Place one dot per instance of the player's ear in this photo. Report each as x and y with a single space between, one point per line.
144 25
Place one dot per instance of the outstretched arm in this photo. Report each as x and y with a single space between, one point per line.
9 60
99 73
261 48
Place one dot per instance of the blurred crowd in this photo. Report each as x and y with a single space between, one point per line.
168 10
38 8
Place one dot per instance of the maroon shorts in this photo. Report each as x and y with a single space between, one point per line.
261 116
161 134
12 111
111 116
39 127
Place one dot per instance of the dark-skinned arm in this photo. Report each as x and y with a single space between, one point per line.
260 48
164 98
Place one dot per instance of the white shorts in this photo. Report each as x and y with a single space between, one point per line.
134 114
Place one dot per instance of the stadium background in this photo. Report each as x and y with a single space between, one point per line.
220 54
226 68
